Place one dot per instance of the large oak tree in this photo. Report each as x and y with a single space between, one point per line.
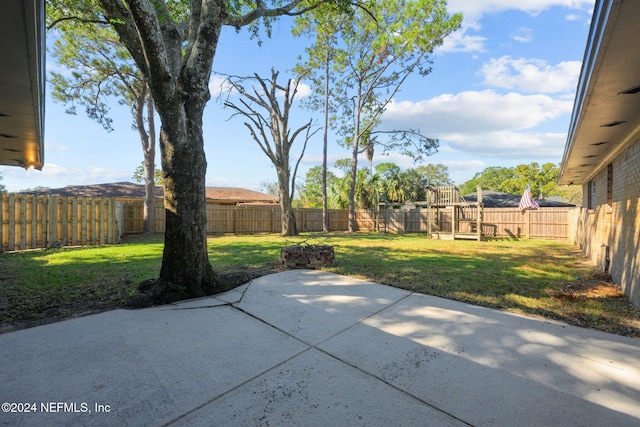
173 43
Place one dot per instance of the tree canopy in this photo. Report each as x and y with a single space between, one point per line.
173 44
543 180
389 183
377 49
101 69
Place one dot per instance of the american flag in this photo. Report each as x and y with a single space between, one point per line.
527 202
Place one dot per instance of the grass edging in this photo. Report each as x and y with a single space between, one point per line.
540 278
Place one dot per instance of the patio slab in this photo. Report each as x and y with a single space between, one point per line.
308 347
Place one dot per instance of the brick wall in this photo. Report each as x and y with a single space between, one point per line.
614 224
625 237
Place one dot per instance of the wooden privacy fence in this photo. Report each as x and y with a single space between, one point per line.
34 221
544 223
246 219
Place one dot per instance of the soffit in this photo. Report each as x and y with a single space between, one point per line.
610 67
22 83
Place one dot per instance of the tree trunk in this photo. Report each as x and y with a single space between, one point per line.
185 271
288 218
150 171
325 208
352 189
287 215
149 195
354 162
147 140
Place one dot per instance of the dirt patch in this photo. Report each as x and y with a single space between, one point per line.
596 285
22 315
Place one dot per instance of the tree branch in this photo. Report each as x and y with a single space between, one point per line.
76 18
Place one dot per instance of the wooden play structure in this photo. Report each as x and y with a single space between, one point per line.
444 215
451 217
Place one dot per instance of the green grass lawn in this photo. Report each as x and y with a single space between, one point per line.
532 277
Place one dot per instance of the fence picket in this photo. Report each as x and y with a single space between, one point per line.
30 221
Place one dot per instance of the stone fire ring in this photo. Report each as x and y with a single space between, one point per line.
308 256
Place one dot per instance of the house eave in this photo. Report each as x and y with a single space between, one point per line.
22 83
605 117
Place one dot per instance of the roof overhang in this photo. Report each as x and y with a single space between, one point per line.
606 112
22 83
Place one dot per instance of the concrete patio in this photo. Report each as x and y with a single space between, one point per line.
307 347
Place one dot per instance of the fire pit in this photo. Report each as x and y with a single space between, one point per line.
307 256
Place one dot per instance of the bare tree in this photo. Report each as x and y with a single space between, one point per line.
270 130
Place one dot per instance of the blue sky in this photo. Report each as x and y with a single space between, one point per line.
500 94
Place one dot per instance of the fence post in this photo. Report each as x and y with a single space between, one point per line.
103 219
23 221
65 221
83 218
74 220
34 221
12 222
111 206
404 221
479 220
44 210
92 220
453 222
52 229
235 219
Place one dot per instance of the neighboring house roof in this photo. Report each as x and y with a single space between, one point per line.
239 194
22 83
493 199
129 190
121 190
606 112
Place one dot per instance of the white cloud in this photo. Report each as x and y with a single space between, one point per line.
511 145
54 67
531 75
524 35
462 170
303 90
474 112
474 9
463 165
462 41
485 123
219 85
55 176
